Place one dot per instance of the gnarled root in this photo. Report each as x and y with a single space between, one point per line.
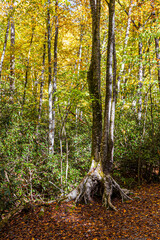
109 186
91 184
86 189
108 189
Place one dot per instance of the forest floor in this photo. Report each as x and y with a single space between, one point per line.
137 219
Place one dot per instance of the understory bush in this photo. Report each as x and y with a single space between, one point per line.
27 171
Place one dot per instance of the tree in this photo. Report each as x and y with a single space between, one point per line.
12 49
4 47
52 85
98 178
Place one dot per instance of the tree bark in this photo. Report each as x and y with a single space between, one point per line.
140 83
42 82
107 143
98 180
94 81
50 85
26 73
158 59
55 70
12 56
4 50
124 49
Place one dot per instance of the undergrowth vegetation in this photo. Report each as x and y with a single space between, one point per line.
29 173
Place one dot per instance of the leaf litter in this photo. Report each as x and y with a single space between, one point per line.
138 219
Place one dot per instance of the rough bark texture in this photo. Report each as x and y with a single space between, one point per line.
96 183
94 80
98 180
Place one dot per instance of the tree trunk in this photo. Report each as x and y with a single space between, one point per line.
50 85
26 74
107 144
158 59
124 49
98 180
94 81
12 57
3 52
140 83
41 83
55 70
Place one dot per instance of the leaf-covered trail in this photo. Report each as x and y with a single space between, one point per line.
138 219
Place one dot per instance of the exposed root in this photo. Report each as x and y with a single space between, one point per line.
124 192
87 188
108 189
90 185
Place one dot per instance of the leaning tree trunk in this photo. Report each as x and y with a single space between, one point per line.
98 180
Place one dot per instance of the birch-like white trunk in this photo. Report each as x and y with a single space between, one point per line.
67 165
3 52
41 83
124 49
12 57
50 85
55 74
107 143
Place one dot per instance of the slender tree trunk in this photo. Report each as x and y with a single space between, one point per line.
50 85
12 57
67 165
111 152
3 52
80 50
140 83
107 144
158 59
124 48
55 71
61 151
42 83
26 73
